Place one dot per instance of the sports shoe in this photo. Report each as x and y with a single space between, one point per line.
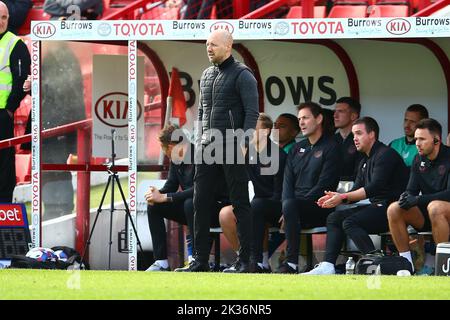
259 268
194 266
322 268
285 268
238 267
425 271
157 267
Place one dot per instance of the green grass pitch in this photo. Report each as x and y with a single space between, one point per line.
51 284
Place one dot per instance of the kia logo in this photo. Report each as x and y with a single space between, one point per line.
112 109
222 25
398 26
44 30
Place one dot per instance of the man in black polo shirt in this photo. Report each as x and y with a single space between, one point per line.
311 168
381 178
347 110
430 176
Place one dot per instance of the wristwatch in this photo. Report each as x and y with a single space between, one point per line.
344 197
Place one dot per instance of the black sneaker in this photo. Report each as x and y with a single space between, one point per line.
263 269
259 268
286 268
238 267
194 266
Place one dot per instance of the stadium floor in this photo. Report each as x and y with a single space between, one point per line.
51 284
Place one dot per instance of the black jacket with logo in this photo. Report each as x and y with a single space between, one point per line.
180 181
382 174
181 176
432 177
311 169
265 174
350 157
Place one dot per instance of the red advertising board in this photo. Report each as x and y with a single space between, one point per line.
15 236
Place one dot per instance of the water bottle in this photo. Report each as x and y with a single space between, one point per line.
350 266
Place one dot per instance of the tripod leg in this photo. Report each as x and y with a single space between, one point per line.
111 219
88 242
127 210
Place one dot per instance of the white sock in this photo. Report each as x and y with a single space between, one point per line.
190 258
408 256
265 262
237 253
163 263
292 265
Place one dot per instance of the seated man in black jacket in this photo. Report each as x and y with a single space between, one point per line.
169 202
381 178
430 175
312 166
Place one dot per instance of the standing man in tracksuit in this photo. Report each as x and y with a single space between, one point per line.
228 103
381 178
312 166
15 64
430 174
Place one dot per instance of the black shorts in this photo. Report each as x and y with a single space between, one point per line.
427 223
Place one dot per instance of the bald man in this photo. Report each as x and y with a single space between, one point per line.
228 102
14 68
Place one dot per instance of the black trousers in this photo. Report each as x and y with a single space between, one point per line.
300 214
181 212
7 159
356 223
205 180
263 211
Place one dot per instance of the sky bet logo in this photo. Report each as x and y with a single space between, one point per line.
11 215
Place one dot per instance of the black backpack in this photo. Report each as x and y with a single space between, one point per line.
73 260
389 265
73 257
23 262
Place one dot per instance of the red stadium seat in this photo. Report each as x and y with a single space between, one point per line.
404 2
38 3
23 168
296 12
389 11
348 12
353 2
161 13
33 14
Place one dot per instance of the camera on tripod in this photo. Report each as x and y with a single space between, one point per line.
113 179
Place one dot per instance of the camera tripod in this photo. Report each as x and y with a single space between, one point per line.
113 178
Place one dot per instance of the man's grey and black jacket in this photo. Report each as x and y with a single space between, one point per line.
225 102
